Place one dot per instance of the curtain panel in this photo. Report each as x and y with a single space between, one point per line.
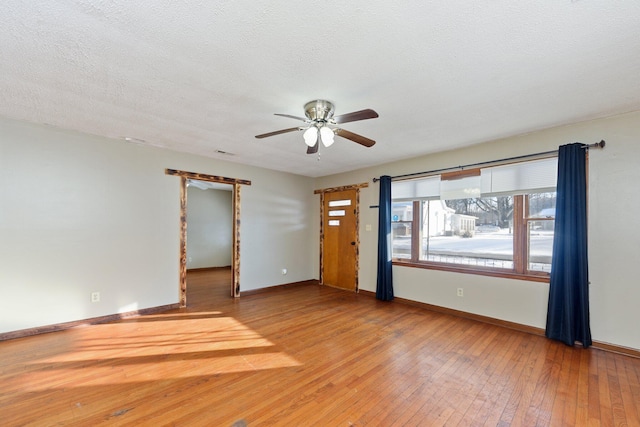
568 309
384 286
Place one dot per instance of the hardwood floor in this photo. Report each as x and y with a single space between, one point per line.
308 356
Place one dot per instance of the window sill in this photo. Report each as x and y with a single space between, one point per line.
506 274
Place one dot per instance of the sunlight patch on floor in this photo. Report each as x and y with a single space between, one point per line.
142 350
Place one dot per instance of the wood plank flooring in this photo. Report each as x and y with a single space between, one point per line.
308 356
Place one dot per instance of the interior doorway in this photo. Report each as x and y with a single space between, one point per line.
209 225
235 267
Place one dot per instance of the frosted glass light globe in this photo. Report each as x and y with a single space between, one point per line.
310 136
326 134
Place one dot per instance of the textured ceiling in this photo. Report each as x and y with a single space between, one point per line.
205 76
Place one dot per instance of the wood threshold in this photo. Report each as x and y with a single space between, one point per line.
91 321
613 348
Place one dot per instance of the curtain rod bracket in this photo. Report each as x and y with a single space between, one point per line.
600 144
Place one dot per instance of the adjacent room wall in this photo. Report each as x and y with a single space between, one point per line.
80 213
614 236
209 227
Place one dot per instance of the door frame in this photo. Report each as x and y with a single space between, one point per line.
322 193
235 256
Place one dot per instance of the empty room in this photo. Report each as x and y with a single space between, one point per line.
272 213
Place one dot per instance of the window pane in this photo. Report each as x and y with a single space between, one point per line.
542 205
401 223
540 238
337 203
540 245
474 232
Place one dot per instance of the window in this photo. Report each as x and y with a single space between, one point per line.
496 220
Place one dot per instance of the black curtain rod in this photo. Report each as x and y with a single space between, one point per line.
600 144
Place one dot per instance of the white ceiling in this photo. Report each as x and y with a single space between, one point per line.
199 76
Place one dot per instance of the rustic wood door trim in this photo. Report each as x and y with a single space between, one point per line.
322 193
184 177
343 188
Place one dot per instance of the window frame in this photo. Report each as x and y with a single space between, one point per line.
521 243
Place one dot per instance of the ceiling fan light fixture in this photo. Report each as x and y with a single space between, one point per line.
327 136
310 136
317 128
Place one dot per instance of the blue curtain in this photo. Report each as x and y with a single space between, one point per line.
384 287
568 310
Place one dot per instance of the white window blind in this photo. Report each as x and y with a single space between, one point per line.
423 188
516 178
520 178
463 188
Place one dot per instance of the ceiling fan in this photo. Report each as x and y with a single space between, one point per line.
321 125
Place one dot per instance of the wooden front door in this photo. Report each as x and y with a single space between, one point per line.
340 239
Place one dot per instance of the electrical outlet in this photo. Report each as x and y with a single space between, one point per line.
95 296
460 292
284 271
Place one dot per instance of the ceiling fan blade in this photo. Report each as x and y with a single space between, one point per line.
313 150
355 137
355 116
278 132
291 117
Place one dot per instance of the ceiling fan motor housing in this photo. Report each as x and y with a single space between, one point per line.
319 110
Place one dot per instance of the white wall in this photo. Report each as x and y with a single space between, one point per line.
614 233
80 213
209 227
279 225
